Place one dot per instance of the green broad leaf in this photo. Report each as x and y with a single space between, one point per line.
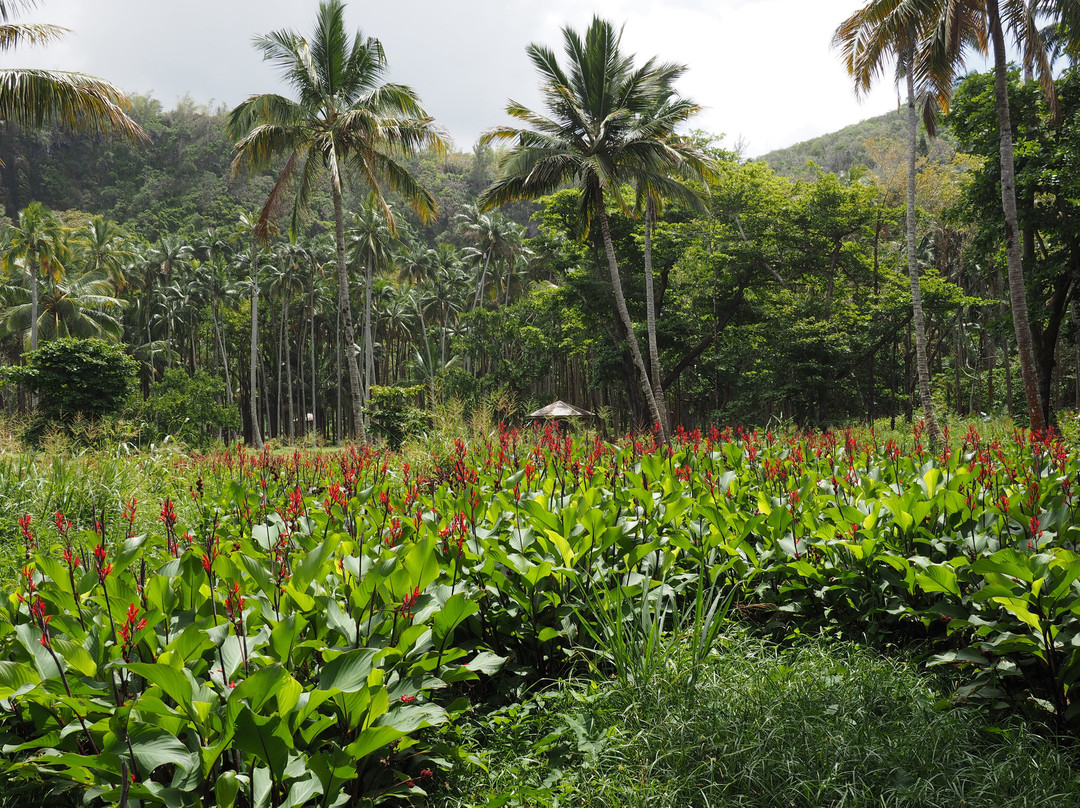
14 676
348 672
938 578
259 574
155 747
301 792
333 767
264 738
372 739
1007 562
30 638
931 480
548 633
130 550
1063 580
288 695
313 565
538 572
422 564
563 546
256 690
226 787
486 662
171 568
190 643
171 680
262 783
75 656
284 635
1019 608
265 537
410 717
303 601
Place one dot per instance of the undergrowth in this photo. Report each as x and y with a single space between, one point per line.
813 725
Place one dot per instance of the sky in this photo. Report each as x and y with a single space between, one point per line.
762 69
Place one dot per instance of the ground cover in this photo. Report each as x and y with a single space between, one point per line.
811 724
291 628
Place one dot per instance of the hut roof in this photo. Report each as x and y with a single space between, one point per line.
560 409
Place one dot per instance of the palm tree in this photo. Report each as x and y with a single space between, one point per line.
982 25
104 245
347 116
370 241
247 232
73 305
880 31
40 97
38 241
595 138
688 161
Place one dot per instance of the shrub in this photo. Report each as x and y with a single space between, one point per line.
86 378
189 408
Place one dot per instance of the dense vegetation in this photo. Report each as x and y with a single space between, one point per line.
275 627
447 609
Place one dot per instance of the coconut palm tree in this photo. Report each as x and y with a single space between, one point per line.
104 245
72 305
347 117
881 31
689 162
370 245
963 25
594 137
38 243
40 97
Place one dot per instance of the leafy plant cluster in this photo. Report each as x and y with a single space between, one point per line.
287 633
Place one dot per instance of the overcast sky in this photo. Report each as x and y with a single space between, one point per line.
763 69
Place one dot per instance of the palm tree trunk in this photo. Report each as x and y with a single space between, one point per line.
650 318
922 367
32 269
290 424
369 343
1017 289
314 401
624 314
256 434
346 312
483 278
224 362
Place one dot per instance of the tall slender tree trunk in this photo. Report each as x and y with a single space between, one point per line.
253 401
1029 373
483 278
224 362
355 387
314 400
290 428
369 337
918 316
650 319
31 267
624 314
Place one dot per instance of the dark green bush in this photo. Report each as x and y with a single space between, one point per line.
191 409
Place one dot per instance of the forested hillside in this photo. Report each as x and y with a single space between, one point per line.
786 300
780 287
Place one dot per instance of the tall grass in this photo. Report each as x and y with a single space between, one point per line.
815 725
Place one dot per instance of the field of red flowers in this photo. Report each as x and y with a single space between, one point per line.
286 628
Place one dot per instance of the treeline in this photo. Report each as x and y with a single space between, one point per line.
786 299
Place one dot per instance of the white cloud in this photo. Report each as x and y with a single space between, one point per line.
762 68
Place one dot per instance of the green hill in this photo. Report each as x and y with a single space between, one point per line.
839 151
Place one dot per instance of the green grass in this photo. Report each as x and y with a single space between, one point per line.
815 725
